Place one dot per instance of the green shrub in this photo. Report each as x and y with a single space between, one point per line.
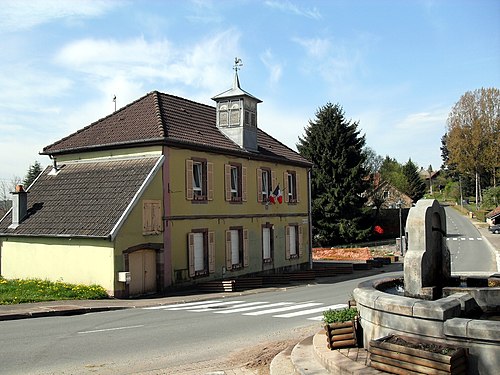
339 316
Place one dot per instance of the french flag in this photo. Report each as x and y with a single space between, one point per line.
276 196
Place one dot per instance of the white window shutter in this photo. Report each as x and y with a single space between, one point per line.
246 257
297 191
287 242
210 181
229 255
211 252
227 182
259 185
189 180
285 186
301 240
274 183
191 254
244 184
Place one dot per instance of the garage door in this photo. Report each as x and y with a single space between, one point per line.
142 266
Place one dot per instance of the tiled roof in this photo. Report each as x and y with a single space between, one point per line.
166 119
83 199
494 213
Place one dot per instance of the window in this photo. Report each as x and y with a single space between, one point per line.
235 183
293 241
266 180
291 188
267 242
236 248
151 217
386 194
201 252
199 180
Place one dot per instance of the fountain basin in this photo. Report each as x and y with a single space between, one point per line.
442 320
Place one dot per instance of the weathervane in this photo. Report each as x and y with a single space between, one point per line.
237 64
114 100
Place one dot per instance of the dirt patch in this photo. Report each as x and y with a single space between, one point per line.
351 254
429 347
258 358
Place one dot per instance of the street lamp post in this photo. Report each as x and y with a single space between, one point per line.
399 204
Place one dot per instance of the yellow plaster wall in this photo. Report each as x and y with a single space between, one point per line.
197 215
80 261
126 152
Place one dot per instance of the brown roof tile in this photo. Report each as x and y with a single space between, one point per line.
83 199
159 117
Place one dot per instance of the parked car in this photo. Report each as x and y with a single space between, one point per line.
495 228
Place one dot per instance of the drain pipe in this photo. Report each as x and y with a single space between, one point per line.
309 216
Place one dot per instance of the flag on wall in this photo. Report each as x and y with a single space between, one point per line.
276 196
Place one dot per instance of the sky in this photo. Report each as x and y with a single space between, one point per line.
395 67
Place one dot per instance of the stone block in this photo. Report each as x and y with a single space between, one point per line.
488 330
443 309
456 327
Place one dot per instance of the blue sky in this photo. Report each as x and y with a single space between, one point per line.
396 67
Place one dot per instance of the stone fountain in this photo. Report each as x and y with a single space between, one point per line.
435 306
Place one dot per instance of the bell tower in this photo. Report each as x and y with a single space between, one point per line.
237 113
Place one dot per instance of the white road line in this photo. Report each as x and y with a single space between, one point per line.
463 238
480 238
110 329
316 318
471 239
210 307
180 305
280 309
203 307
311 311
238 309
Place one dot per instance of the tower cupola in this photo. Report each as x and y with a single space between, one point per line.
237 113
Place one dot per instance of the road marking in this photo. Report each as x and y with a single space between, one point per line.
280 309
260 306
202 307
163 307
110 329
311 311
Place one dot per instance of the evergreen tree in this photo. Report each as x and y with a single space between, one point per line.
415 185
338 181
33 172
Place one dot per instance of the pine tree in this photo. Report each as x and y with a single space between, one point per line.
416 186
33 172
338 180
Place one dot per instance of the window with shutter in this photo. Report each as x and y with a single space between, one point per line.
199 180
235 183
291 187
267 242
264 184
201 248
293 241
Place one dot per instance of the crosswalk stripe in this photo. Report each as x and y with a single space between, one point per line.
215 305
280 309
311 311
261 305
163 307
201 306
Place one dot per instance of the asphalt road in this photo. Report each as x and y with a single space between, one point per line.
469 253
141 340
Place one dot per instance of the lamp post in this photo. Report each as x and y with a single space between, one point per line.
399 204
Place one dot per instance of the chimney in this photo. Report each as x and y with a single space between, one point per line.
19 206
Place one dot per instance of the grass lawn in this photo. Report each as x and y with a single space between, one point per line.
35 290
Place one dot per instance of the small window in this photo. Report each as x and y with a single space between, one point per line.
199 180
201 252
291 192
151 217
236 248
235 183
266 184
267 243
294 241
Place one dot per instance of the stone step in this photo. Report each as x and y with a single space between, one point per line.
304 360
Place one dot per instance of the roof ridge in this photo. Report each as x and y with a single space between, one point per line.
96 122
158 113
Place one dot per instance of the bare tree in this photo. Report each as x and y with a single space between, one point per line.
5 189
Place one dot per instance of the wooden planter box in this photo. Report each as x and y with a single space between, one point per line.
392 355
341 335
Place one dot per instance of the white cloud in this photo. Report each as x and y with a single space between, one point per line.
158 61
315 47
274 67
25 14
289 7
